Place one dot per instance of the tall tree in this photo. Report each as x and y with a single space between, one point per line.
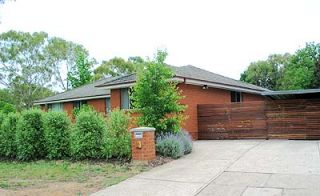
30 63
303 70
22 63
266 73
61 55
118 66
80 73
156 98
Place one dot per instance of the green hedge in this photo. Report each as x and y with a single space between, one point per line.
29 136
87 135
8 148
117 139
57 133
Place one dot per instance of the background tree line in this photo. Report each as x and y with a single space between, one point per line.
35 65
300 70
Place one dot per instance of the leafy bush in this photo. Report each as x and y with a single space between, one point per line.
83 107
6 108
187 141
8 146
29 135
2 117
170 145
174 145
157 99
87 135
57 132
117 139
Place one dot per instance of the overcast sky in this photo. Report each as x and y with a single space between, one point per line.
220 36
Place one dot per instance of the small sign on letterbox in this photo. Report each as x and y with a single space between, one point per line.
138 135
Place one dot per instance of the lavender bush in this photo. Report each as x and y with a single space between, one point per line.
174 145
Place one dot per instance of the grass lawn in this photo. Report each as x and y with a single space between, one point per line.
75 177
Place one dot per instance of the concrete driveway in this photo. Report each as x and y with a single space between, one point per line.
239 167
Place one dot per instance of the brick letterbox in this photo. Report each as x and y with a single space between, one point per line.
143 144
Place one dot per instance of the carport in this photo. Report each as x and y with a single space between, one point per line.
293 114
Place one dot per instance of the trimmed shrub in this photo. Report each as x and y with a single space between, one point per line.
57 132
8 146
2 117
87 135
6 108
187 141
117 139
29 136
170 145
174 145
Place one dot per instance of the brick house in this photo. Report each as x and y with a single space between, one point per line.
197 85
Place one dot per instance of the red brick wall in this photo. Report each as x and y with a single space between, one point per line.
147 151
115 98
195 95
252 97
68 107
98 104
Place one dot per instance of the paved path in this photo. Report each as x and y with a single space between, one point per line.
239 167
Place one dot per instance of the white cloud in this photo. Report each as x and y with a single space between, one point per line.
220 36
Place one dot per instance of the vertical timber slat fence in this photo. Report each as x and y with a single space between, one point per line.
283 119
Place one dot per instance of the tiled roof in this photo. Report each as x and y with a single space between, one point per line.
192 72
88 90
189 72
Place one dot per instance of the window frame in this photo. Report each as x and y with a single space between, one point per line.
108 105
236 96
128 105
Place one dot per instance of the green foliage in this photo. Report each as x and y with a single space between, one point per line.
118 66
83 107
187 141
8 146
80 73
156 98
30 136
287 72
303 71
266 73
170 145
87 135
174 145
30 63
6 107
117 139
57 131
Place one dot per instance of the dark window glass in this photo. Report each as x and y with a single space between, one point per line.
108 105
78 104
236 96
125 99
49 106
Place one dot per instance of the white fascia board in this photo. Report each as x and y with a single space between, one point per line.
177 79
221 86
69 100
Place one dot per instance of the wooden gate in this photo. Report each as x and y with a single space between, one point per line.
286 119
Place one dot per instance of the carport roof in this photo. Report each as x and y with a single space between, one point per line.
293 94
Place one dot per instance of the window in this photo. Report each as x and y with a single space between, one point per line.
78 104
125 99
55 107
236 96
108 105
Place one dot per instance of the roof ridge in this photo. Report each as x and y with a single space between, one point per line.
224 76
